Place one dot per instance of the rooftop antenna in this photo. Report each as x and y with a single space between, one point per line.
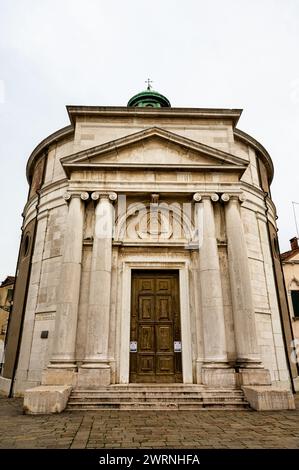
296 223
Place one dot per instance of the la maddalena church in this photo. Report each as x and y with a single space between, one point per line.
149 273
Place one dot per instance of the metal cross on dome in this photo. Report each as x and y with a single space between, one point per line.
149 81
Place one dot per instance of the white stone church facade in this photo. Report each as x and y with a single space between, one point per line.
149 236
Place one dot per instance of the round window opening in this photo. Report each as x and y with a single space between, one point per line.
26 244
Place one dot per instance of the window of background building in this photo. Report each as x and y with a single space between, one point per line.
9 295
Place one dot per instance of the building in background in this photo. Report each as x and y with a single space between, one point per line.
149 257
6 295
290 263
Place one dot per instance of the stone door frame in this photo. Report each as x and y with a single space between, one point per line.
125 327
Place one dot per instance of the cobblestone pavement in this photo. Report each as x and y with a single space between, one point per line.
148 429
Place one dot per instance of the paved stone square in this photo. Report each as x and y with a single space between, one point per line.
148 429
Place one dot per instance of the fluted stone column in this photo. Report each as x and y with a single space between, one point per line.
242 301
215 370
96 369
62 365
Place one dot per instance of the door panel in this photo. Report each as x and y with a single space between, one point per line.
164 338
155 325
165 365
146 364
146 309
146 285
163 306
162 285
146 338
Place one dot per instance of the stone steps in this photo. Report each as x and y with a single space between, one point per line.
156 397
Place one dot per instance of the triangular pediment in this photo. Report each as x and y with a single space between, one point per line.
153 148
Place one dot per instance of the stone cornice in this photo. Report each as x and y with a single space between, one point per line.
169 167
196 113
259 193
30 205
43 145
49 187
46 189
262 152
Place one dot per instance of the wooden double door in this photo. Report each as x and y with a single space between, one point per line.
155 342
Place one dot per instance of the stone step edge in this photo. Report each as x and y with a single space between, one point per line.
155 398
232 402
174 392
76 403
147 390
151 396
166 385
243 407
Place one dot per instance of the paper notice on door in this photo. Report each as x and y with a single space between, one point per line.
133 346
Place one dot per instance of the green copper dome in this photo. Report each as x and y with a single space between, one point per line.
149 99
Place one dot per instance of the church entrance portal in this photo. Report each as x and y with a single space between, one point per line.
155 342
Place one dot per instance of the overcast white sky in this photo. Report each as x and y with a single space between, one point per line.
216 53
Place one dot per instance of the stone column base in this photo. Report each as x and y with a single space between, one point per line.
296 384
253 377
93 377
46 399
218 377
199 366
5 385
269 398
56 376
